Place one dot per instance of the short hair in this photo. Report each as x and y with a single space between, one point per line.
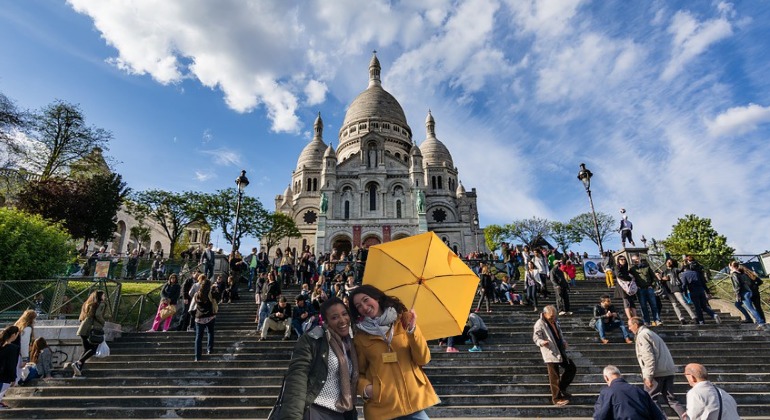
636 321
550 309
282 299
300 297
611 370
605 297
698 371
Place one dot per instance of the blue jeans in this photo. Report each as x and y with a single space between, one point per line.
647 298
602 328
750 307
199 337
509 267
264 311
420 415
252 273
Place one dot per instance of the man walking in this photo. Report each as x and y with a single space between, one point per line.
621 400
549 337
692 282
560 287
657 365
645 281
705 401
207 261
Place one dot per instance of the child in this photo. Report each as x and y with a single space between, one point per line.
40 361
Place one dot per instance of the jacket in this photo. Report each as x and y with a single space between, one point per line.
643 275
206 309
95 322
475 323
691 282
741 283
399 388
557 279
653 355
9 361
600 313
550 352
307 373
286 311
171 292
623 401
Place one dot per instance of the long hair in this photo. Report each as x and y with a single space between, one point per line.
37 347
7 333
26 319
203 292
91 304
384 300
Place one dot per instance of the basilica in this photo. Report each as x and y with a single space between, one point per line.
378 185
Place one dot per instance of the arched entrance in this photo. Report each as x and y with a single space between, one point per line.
342 244
371 240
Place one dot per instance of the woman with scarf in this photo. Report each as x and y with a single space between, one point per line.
391 353
323 372
622 273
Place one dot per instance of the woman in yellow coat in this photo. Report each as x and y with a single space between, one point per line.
391 353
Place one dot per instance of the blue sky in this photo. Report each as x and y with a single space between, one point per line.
668 103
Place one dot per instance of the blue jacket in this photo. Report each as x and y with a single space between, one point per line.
623 401
691 282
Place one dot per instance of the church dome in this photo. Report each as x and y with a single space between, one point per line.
433 151
312 155
460 192
375 102
330 152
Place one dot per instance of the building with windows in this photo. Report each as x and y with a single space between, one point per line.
379 184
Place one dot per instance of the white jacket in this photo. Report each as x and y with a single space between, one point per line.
653 355
550 352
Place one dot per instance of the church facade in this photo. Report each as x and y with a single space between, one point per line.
378 185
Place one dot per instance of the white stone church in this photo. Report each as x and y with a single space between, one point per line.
379 185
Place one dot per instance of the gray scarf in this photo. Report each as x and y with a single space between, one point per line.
379 326
343 349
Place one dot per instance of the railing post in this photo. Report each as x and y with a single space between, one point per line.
141 307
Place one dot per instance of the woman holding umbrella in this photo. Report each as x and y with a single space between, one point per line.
391 353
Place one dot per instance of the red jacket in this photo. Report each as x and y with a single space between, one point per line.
569 270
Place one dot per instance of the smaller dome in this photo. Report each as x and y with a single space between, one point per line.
287 195
415 151
330 152
312 155
460 190
433 151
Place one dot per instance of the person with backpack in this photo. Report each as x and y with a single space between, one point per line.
206 309
672 290
625 286
743 292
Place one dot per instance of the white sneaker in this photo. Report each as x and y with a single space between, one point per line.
562 313
717 319
76 369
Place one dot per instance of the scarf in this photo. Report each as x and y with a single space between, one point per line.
379 326
343 349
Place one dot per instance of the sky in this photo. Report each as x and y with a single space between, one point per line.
666 102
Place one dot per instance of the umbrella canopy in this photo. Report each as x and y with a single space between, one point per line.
426 275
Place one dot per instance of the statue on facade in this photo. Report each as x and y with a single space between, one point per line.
420 201
324 203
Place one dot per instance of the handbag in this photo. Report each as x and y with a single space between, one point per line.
629 287
168 311
96 336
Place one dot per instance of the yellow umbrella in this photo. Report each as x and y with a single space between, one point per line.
425 274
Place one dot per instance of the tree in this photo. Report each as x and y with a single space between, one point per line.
494 235
219 210
32 247
12 121
140 234
278 226
529 231
564 235
87 208
695 235
61 137
172 211
584 224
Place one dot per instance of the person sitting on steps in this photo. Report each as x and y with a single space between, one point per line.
607 318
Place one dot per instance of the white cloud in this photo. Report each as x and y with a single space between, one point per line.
315 92
203 176
224 156
207 136
691 38
739 120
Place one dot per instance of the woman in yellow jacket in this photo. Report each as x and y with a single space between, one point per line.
391 353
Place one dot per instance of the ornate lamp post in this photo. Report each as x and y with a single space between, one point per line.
585 177
476 231
242 182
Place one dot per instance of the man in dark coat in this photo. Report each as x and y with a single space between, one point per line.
623 401
561 287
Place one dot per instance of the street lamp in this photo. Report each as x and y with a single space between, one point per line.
242 182
585 177
476 231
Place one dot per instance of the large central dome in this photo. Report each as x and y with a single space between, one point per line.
375 103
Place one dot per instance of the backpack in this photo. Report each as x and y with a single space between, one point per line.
629 287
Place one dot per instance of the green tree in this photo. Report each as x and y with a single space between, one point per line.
494 235
173 212
564 235
278 226
695 235
529 231
219 210
584 224
87 208
12 121
140 234
61 137
32 247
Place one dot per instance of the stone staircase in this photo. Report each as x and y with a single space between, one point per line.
152 375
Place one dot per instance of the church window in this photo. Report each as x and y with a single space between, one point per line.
398 209
373 197
440 184
309 184
406 158
352 129
371 157
347 210
396 129
194 238
398 155
433 182
375 125
454 248
439 215
315 184
310 217
386 126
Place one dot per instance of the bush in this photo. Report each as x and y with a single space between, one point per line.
32 247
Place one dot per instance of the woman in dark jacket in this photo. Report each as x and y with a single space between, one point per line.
323 371
169 293
487 288
9 360
92 317
621 272
205 315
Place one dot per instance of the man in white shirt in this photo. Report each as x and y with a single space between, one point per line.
705 401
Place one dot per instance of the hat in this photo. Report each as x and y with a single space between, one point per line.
556 262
